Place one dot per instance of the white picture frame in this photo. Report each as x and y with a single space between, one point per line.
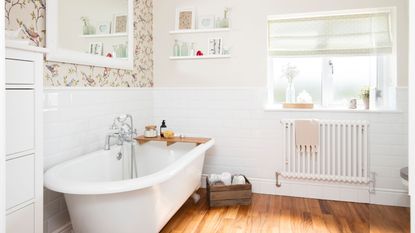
96 48
120 23
185 18
206 22
215 46
103 28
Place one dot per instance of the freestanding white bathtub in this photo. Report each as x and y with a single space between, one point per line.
102 198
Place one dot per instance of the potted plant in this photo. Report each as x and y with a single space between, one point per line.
365 94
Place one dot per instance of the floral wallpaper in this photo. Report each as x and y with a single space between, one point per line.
30 16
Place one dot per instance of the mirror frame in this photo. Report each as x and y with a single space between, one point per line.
57 54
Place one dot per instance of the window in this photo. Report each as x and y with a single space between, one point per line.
330 58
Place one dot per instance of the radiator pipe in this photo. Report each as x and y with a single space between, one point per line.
277 183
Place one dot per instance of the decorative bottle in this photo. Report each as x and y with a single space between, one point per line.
184 51
85 28
225 20
176 48
290 93
192 50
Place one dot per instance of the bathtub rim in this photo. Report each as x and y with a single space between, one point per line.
54 182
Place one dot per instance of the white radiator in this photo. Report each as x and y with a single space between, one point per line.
342 156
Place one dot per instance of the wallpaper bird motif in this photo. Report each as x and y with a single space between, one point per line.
30 16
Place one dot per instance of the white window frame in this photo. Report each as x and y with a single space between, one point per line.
389 91
327 81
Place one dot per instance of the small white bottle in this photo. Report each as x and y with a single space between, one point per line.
192 50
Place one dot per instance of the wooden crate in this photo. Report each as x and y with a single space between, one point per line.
228 195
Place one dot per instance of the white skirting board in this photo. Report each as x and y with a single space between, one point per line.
329 191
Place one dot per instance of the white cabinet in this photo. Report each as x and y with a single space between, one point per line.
20 118
21 221
20 72
24 141
20 180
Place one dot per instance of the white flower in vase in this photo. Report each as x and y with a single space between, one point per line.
290 72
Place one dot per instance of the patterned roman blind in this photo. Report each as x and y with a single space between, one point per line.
359 33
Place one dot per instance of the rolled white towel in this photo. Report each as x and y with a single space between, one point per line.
226 178
238 179
214 178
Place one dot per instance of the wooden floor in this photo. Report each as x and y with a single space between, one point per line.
280 214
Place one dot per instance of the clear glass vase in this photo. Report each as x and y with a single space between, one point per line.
85 29
176 48
184 50
290 93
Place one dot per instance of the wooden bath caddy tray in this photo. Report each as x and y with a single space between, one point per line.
298 105
171 141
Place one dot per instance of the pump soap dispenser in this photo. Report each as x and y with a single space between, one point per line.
163 128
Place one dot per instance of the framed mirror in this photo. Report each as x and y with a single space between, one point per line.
91 32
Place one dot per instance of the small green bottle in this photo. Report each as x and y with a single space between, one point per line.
176 48
184 51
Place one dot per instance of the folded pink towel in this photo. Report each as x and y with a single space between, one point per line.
307 135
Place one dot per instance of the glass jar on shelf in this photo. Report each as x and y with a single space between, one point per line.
184 50
176 48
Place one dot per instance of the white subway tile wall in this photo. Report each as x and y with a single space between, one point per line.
76 122
248 139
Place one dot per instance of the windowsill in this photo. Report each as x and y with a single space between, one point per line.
279 108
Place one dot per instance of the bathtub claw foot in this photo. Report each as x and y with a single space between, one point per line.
196 197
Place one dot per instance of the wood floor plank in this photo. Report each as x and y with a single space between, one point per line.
344 225
314 206
331 223
285 221
318 224
231 212
325 207
272 217
281 214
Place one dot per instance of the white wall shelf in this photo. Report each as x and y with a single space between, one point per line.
193 31
104 35
201 57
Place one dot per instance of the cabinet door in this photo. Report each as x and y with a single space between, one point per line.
19 72
20 117
20 180
21 221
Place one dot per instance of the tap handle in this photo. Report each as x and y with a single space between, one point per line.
114 126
